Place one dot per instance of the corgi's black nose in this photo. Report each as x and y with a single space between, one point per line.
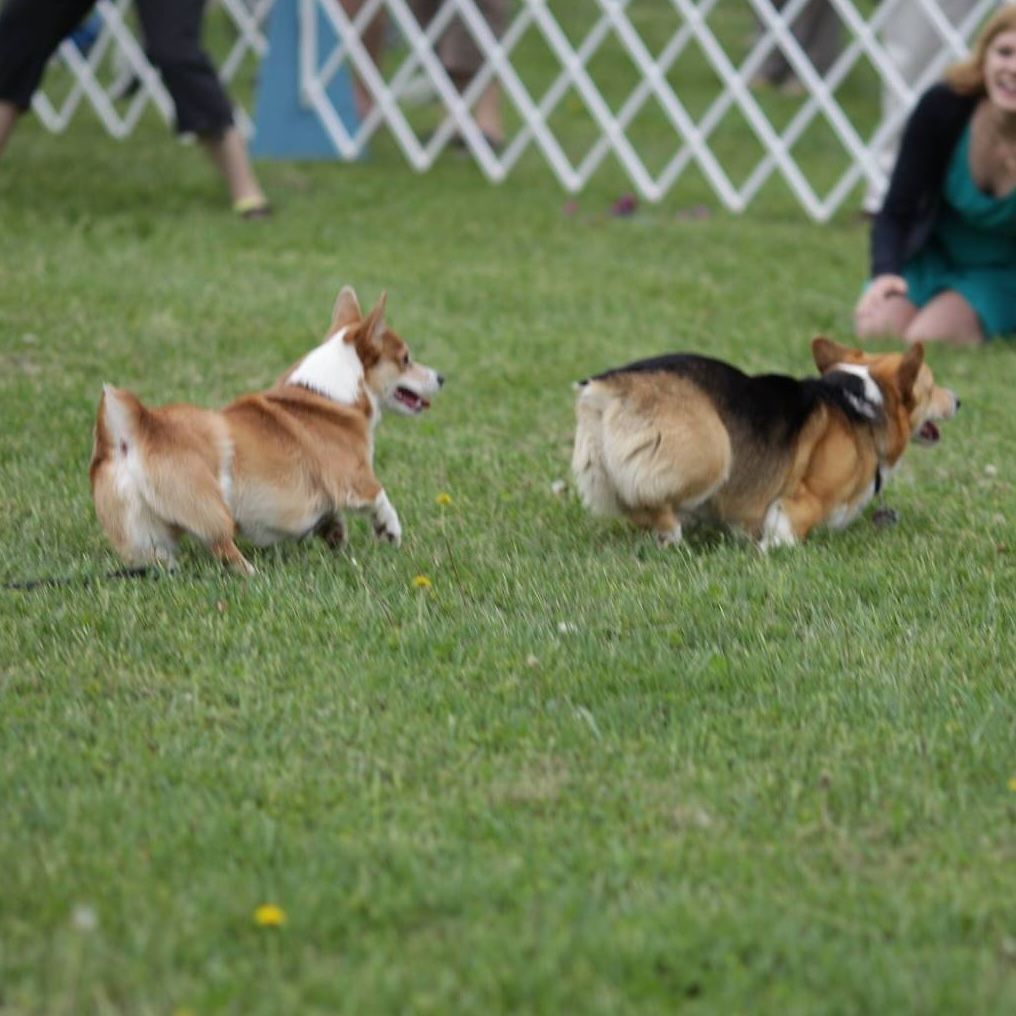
440 382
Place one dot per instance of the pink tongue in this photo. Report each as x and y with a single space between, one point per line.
929 431
412 399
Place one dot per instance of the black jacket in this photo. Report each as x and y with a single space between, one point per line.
902 227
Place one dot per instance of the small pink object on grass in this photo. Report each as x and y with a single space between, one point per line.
624 206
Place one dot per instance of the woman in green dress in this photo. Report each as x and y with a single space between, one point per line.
943 247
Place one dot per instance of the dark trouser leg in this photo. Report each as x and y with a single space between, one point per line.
30 31
775 67
172 31
817 31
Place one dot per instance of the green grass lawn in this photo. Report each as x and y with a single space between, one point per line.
576 774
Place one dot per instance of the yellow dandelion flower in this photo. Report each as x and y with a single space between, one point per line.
268 915
422 582
1012 782
443 499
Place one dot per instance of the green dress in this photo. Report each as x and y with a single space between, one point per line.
972 249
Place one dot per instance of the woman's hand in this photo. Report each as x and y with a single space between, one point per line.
882 288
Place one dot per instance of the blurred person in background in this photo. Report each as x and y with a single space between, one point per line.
31 31
817 31
457 50
911 43
943 245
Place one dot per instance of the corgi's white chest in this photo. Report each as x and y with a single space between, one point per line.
333 370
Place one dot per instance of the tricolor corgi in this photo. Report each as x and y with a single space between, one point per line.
281 464
667 439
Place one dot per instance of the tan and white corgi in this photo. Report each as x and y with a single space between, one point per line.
663 440
277 465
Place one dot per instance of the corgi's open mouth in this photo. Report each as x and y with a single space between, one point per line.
928 434
412 401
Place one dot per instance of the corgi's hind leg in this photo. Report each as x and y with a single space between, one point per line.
194 502
667 468
140 537
214 525
149 542
663 521
229 554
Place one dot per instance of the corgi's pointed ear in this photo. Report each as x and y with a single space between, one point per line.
374 326
346 310
827 353
909 367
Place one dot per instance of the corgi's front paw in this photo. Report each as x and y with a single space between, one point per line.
777 529
390 530
386 521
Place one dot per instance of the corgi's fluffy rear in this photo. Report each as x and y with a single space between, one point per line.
625 462
158 473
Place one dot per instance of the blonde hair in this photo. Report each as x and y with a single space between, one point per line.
967 76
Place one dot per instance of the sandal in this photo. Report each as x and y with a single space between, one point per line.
252 208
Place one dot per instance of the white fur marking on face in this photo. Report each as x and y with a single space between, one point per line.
872 392
776 529
333 370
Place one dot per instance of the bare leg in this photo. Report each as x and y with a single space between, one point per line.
463 58
487 112
8 118
229 153
889 319
947 318
373 38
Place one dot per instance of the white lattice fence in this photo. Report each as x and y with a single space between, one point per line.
661 86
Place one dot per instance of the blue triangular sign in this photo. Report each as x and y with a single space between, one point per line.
285 127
